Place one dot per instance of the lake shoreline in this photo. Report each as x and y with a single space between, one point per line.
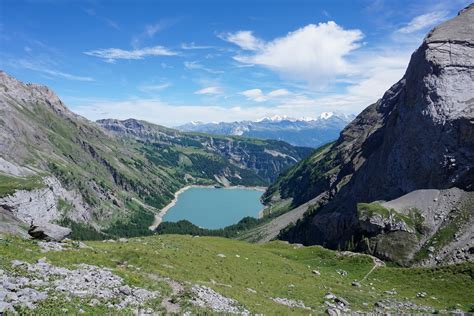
159 216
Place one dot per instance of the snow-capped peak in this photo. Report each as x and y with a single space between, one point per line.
326 115
196 123
276 118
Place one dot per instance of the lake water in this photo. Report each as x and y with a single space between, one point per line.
215 208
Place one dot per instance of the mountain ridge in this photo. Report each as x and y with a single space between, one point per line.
308 132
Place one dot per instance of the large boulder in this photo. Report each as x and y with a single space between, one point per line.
48 231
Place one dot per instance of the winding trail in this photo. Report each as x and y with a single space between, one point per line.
377 263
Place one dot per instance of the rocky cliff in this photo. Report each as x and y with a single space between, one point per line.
418 136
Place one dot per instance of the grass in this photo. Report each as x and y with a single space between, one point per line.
275 269
9 184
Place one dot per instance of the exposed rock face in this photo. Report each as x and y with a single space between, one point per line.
42 204
420 135
48 231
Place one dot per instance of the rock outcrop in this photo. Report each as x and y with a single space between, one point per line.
419 135
49 232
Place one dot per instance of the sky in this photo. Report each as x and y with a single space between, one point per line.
172 62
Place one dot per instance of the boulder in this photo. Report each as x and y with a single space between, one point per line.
48 231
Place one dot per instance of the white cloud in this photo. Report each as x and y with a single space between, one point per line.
47 70
423 21
194 65
278 93
192 45
159 112
152 29
254 95
258 96
244 39
210 90
154 87
111 54
314 53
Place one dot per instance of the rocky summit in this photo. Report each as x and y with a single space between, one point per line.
416 141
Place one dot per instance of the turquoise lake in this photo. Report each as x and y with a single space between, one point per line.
215 208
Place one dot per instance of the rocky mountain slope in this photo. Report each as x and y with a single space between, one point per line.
417 140
309 132
56 166
266 158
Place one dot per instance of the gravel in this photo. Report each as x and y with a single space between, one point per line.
91 284
207 297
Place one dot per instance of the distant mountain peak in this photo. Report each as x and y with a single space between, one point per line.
304 131
326 115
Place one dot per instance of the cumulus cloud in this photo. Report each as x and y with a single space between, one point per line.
257 95
314 53
112 54
210 90
423 21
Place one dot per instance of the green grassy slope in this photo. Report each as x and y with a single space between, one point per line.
272 270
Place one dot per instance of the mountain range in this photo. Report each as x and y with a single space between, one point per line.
110 178
306 132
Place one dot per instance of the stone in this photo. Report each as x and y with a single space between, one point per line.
342 301
125 290
356 284
48 231
5 307
329 296
333 312
207 297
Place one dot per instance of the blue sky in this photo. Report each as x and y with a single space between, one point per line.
171 62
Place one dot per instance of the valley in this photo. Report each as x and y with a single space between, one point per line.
337 214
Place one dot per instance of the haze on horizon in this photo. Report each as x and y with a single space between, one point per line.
172 62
